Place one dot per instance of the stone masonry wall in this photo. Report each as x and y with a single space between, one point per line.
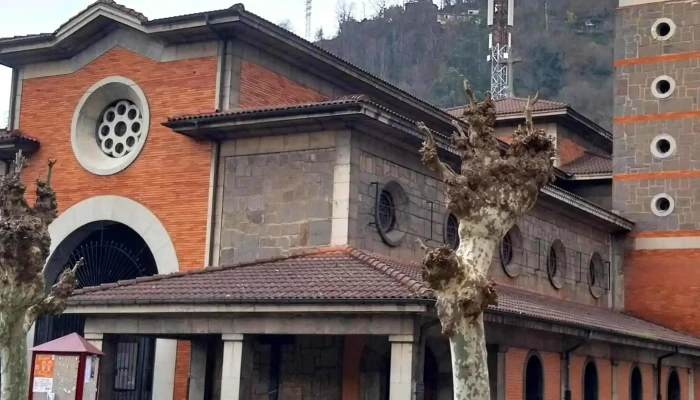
310 369
277 196
376 162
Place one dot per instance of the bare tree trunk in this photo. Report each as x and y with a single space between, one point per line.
492 188
470 373
13 353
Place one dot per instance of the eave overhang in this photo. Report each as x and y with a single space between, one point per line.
11 143
362 116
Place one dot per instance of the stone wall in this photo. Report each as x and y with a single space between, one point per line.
277 196
311 368
376 163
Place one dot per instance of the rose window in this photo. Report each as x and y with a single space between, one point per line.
120 128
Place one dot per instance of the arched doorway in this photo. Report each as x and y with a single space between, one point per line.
534 378
673 388
636 391
590 381
112 252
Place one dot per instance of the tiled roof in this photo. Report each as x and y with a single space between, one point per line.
515 105
7 134
589 164
347 274
354 99
330 274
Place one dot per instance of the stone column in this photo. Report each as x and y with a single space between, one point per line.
232 366
401 372
198 369
95 339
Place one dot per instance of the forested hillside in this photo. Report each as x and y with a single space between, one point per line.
565 47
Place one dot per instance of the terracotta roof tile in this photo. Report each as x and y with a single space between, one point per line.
7 134
589 164
348 274
515 105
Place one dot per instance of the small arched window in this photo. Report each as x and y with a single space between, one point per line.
590 381
534 378
636 391
673 387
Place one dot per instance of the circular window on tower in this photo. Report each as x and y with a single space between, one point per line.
662 205
390 213
663 29
110 126
663 146
663 86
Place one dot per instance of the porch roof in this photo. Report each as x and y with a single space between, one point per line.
347 275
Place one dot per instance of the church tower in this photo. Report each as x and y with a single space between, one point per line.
656 167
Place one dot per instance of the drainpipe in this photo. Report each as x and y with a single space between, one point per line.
420 386
567 365
13 100
216 150
658 371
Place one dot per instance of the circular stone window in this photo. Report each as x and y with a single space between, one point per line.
452 231
110 126
556 264
663 86
596 275
510 252
389 215
663 29
663 146
662 205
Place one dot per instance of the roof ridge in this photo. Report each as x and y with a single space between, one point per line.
368 258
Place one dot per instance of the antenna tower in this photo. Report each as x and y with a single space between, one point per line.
500 19
308 19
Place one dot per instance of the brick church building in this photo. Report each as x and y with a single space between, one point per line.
248 204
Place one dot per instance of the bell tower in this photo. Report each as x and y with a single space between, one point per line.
656 167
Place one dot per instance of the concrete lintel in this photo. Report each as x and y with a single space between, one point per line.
401 338
93 336
184 325
232 337
156 310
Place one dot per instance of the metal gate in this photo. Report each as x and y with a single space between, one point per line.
112 252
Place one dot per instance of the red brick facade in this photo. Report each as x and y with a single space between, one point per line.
171 167
261 87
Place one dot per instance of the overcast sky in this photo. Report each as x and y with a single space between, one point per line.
36 16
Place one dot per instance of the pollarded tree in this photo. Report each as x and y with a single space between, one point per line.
495 185
24 247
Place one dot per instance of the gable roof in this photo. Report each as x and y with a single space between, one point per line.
347 275
515 105
589 164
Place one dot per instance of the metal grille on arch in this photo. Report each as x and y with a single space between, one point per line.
112 252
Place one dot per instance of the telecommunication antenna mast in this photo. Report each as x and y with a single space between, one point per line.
500 19
308 19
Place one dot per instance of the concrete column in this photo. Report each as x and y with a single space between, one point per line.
95 339
691 383
501 374
401 379
232 366
198 369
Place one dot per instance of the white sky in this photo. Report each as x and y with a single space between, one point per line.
37 16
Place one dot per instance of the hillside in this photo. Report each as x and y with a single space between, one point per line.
567 56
